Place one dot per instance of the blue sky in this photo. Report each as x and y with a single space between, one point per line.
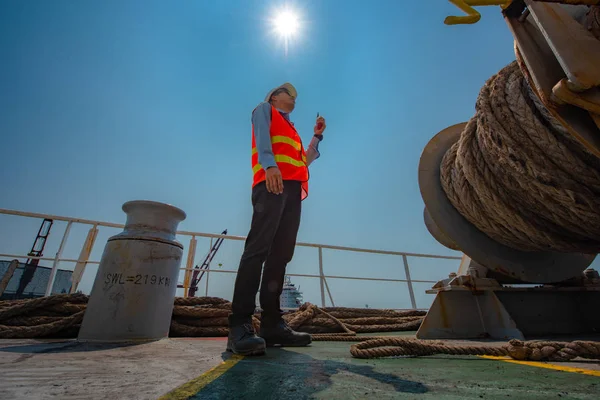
102 102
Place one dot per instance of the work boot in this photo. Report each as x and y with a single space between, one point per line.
279 333
242 339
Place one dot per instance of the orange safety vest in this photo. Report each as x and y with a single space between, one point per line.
288 150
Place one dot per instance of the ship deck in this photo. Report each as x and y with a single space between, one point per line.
199 368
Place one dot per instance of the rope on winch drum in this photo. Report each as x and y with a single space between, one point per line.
519 177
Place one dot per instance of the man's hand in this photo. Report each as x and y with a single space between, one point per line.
319 129
274 181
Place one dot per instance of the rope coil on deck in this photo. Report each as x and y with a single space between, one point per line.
42 317
61 316
207 316
516 349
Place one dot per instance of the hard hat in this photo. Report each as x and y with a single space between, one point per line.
287 86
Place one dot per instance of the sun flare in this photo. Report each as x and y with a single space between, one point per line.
286 23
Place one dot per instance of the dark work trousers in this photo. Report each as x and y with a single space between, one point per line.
271 240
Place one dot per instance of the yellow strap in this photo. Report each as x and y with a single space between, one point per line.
281 159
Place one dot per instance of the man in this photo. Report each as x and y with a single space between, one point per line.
280 183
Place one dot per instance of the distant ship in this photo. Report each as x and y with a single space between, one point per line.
290 299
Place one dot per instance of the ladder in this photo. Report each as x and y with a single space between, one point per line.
204 267
36 251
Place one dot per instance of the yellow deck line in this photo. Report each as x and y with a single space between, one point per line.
192 387
556 367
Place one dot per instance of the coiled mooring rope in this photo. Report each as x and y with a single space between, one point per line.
519 177
61 315
50 316
516 349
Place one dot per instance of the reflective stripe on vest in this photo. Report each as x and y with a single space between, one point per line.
281 159
288 152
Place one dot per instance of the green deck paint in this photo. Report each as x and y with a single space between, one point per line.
327 371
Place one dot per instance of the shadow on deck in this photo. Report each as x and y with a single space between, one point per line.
198 368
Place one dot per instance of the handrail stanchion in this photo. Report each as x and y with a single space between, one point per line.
321 276
84 257
413 303
329 292
208 270
189 265
57 258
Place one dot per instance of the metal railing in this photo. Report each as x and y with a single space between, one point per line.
88 245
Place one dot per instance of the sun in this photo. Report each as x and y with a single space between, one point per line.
286 23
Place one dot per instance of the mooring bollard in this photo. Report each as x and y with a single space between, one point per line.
135 286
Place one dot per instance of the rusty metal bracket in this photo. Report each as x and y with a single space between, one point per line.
551 46
588 100
575 48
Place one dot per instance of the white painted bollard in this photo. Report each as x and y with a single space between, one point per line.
135 286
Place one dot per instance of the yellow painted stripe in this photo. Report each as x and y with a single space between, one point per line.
192 387
555 367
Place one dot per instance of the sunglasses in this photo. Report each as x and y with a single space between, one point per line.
282 90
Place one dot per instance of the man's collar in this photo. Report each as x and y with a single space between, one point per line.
284 114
